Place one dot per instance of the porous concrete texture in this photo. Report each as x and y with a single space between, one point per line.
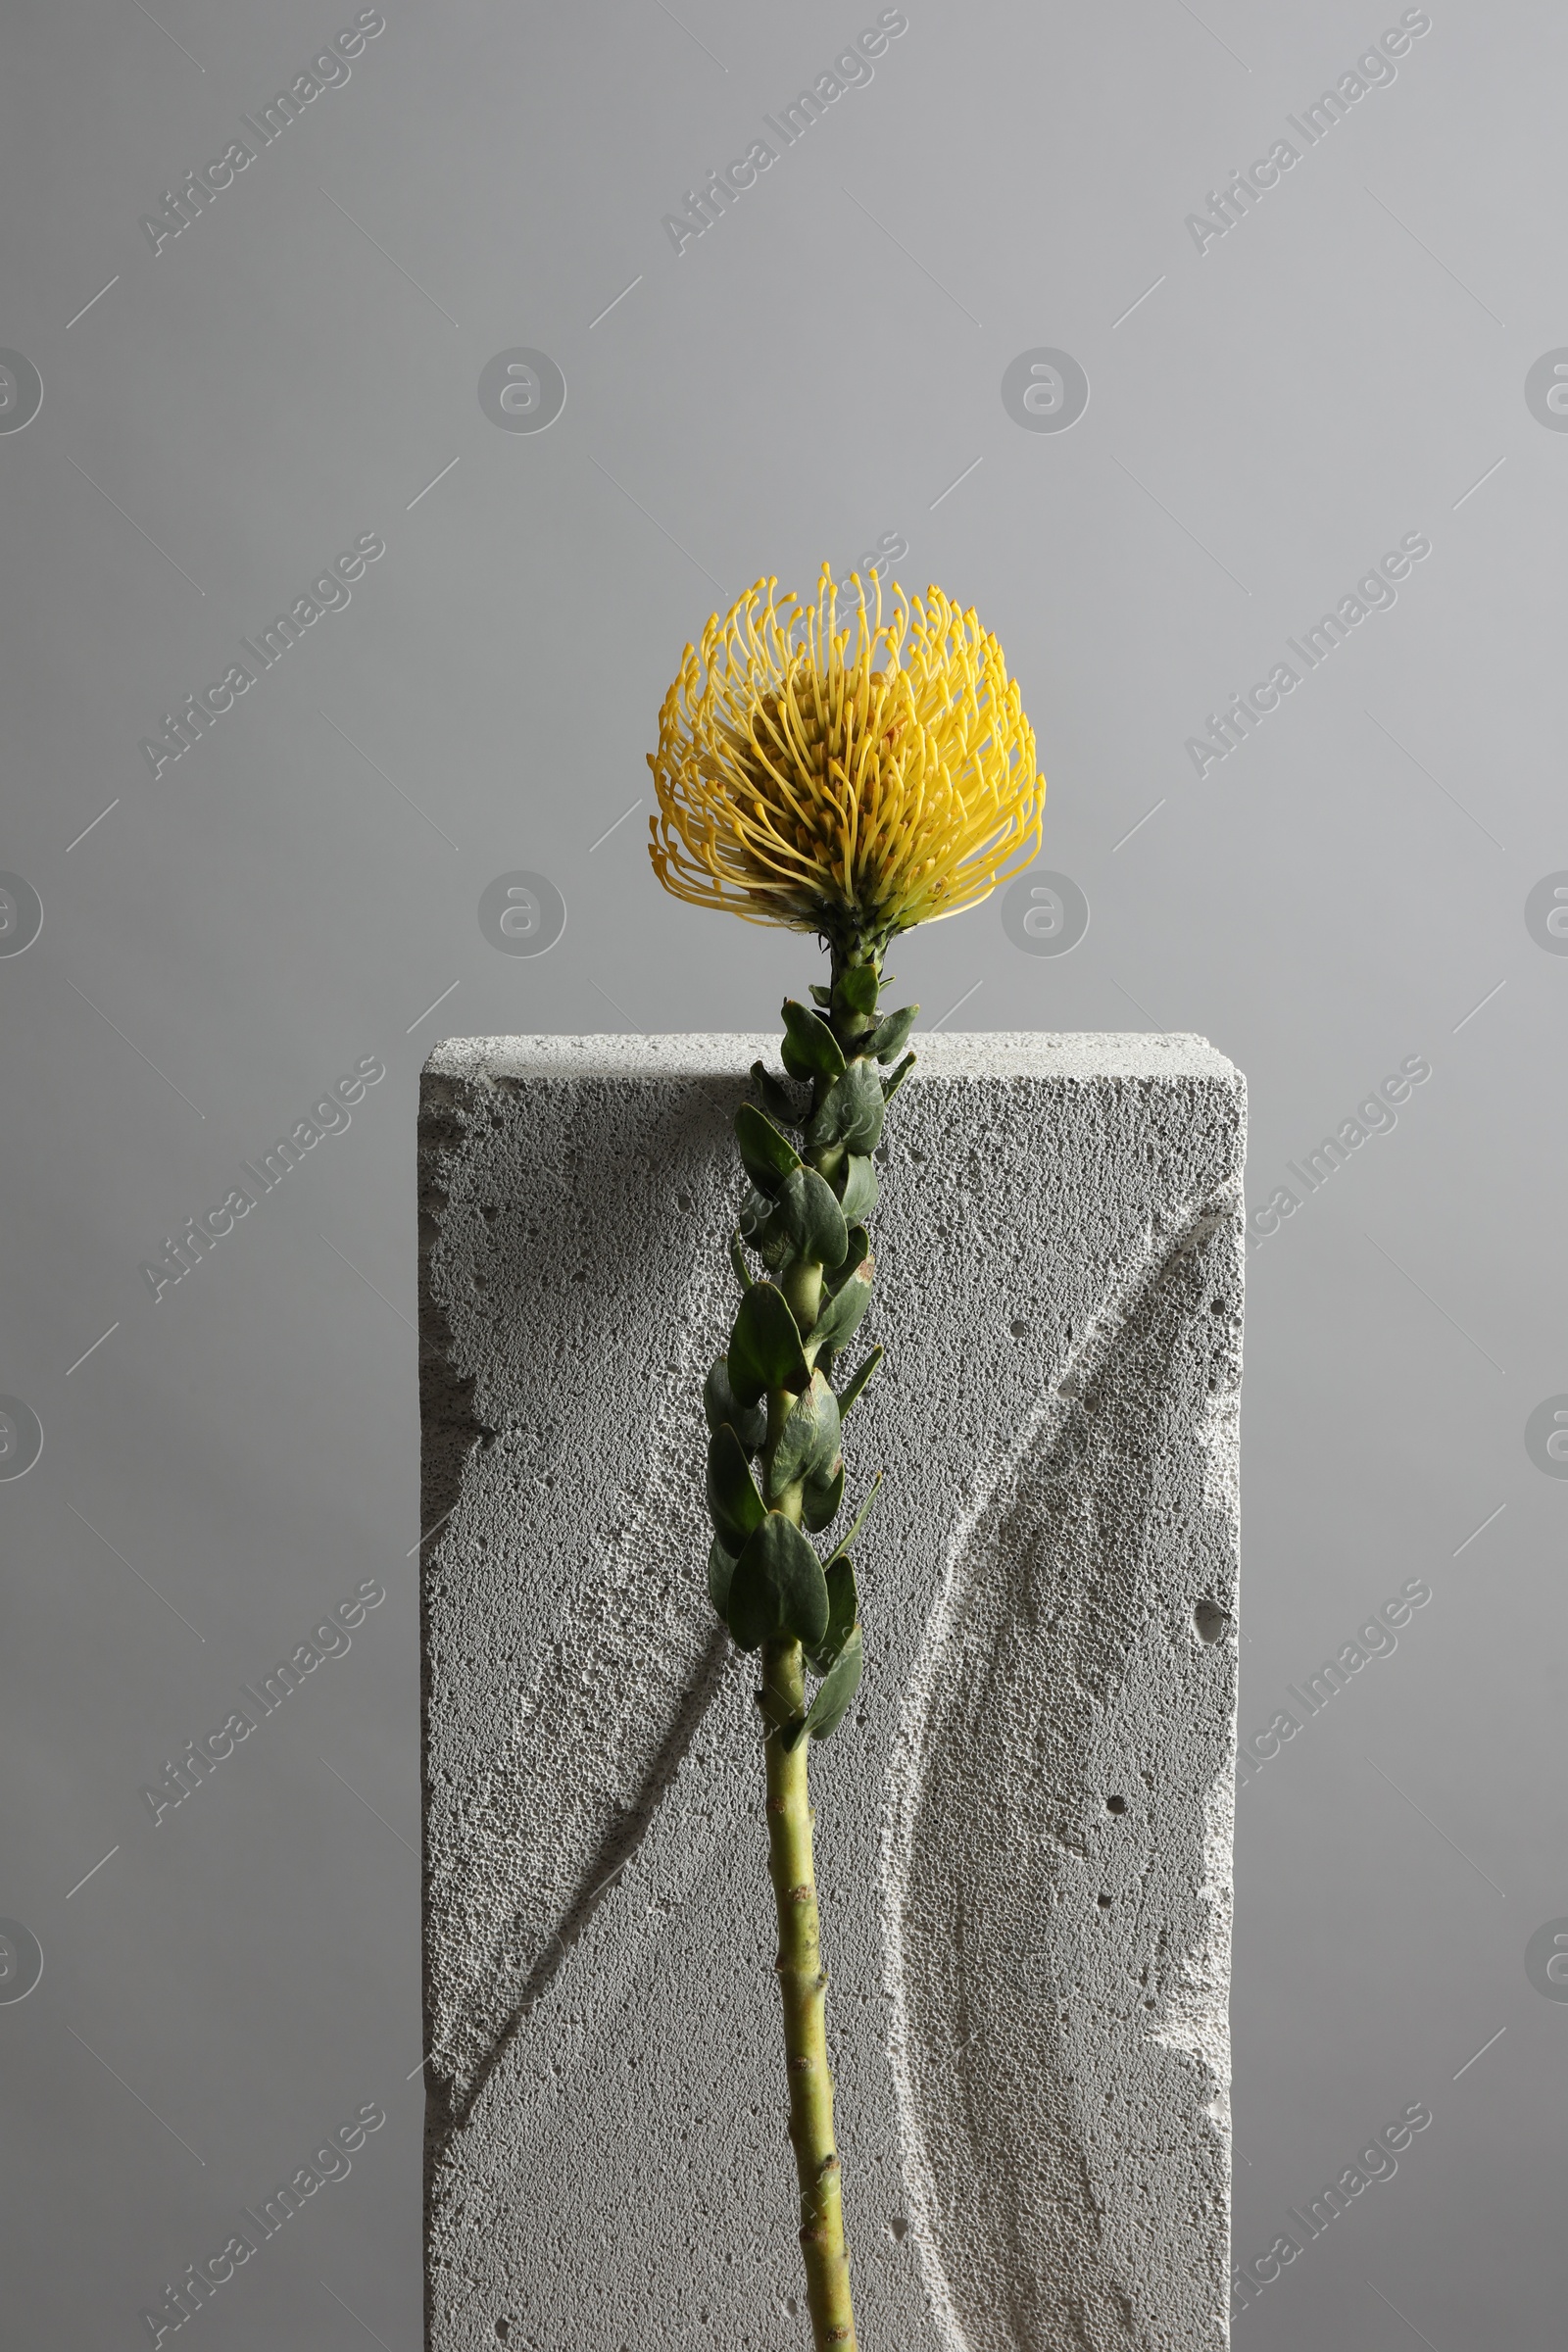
1024 1826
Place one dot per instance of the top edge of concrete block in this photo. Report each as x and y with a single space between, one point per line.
977 1053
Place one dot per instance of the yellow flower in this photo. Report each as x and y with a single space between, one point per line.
849 788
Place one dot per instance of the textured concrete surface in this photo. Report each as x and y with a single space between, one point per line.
1024 1828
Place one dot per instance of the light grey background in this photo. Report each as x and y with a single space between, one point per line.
814 373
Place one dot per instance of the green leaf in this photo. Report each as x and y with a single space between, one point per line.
841 1315
795 1063
856 989
822 995
770 1240
821 1497
808 1444
858 1197
764 1346
778 1587
737 1258
891 1086
844 1543
859 1248
813 1041
721 1569
836 1690
768 1156
891 1035
851 1113
778 1104
856 1381
843 1613
733 1503
808 1218
721 1406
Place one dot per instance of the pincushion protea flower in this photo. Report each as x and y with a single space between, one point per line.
853 793
850 781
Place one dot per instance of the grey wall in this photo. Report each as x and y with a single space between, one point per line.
1347 889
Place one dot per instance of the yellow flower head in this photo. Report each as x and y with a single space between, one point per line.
852 781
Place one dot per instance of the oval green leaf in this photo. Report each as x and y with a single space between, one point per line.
835 1691
813 1041
778 1104
764 1346
843 1611
721 1406
733 1503
851 1113
778 1587
821 1497
860 1186
768 1156
808 1444
806 1222
891 1035
841 1315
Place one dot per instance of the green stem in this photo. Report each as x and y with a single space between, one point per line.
802 1983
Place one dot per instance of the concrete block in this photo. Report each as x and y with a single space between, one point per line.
1024 1827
